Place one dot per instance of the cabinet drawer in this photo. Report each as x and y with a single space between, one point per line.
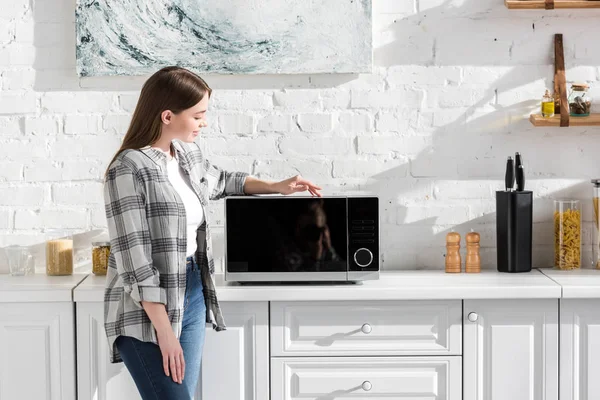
366 328
317 378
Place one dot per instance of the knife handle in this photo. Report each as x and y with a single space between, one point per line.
520 178
518 160
509 177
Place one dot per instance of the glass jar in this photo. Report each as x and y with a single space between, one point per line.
100 253
20 260
59 252
580 101
547 105
596 228
567 234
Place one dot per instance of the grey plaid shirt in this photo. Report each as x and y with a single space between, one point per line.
147 229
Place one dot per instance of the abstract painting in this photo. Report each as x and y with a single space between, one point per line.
138 37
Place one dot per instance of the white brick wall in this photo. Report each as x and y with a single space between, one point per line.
429 130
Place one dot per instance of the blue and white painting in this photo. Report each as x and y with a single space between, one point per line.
138 37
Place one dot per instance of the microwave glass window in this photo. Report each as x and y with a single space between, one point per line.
286 235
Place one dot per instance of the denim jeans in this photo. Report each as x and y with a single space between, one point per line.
144 359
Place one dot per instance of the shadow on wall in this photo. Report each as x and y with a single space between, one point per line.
466 138
477 129
419 240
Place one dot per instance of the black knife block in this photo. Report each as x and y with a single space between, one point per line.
514 226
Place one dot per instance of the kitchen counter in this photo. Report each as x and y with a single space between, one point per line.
577 284
38 288
396 285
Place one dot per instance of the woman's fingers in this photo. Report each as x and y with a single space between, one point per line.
314 191
179 368
173 366
182 367
309 183
297 184
166 363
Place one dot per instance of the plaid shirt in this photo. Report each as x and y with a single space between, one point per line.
147 228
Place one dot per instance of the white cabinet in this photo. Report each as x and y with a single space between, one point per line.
37 351
97 378
510 349
236 360
319 378
366 328
580 349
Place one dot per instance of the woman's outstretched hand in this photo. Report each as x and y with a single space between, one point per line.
297 184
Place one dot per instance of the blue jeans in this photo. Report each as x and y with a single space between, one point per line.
144 359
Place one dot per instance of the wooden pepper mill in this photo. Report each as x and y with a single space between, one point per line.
453 261
473 260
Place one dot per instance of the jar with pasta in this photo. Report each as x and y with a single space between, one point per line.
596 225
567 234
100 253
59 252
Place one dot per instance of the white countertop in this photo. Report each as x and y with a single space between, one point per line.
38 288
577 284
400 285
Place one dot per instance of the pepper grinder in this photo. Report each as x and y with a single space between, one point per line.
473 261
453 260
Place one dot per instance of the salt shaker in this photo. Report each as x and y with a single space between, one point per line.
473 261
453 261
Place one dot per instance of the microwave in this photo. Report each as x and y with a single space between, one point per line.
301 238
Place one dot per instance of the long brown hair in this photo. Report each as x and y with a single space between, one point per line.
171 88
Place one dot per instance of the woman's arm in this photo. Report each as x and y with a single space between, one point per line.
291 185
125 204
223 183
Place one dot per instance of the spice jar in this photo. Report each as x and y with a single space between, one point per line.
596 229
547 105
580 102
100 253
59 252
567 234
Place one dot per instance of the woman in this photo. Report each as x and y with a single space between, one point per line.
159 289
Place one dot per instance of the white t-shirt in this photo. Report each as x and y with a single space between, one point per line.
193 208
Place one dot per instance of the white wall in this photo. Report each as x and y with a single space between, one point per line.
428 131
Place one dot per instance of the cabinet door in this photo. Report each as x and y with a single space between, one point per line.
410 378
235 362
580 349
510 349
97 378
37 351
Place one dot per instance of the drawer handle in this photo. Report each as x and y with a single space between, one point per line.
366 386
366 329
473 316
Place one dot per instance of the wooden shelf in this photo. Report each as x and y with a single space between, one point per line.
538 120
562 119
542 4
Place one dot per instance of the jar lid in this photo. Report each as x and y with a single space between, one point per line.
596 182
102 244
580 86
